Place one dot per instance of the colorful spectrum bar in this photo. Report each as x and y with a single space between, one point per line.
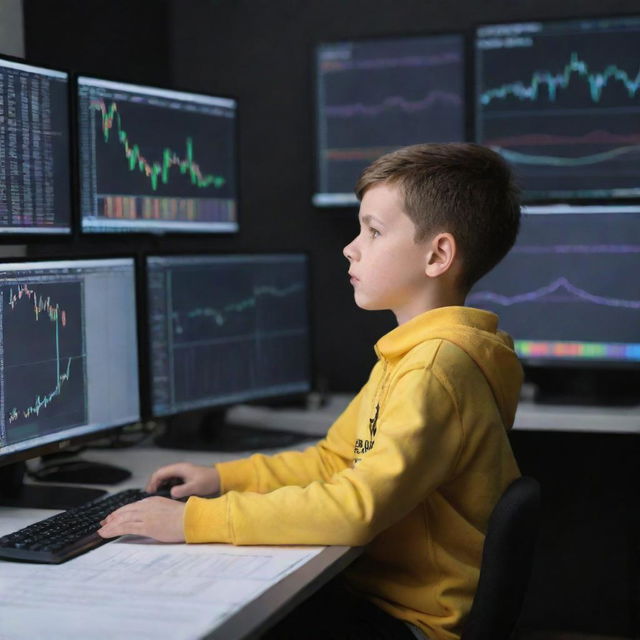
578 350
184 209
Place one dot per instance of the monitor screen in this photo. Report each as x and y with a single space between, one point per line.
568 292
68 352
35 187
374 96
561 102
226 329
155 160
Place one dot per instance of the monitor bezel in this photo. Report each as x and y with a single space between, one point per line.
147 386
153 233
60 233
467 88
544 202
72 441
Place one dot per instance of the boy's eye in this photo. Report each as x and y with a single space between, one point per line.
374 233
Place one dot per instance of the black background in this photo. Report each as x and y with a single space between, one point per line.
586 575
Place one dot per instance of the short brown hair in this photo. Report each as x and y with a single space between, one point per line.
461 188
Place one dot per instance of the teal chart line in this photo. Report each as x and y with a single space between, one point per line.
596 81
221 315
596 158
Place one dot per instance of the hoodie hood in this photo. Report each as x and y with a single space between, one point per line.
476 332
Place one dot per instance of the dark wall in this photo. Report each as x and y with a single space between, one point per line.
260 51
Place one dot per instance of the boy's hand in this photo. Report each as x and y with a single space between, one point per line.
155 517
197 480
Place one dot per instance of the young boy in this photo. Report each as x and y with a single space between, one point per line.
415 464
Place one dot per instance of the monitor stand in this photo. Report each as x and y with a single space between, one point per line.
14 492
68 467
210 432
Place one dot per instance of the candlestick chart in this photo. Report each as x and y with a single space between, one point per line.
565 109
377 95
155 159
43 358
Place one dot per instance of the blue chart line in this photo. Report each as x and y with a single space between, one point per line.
561 284
596 81
221 316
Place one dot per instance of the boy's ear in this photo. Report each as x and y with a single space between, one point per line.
441 252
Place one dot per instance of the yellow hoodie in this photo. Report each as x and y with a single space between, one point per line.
411 469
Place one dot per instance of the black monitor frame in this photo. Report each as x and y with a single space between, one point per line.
467 88
157 233
60 233
549 204
204 428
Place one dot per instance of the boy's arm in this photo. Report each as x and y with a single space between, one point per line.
261 474
417 446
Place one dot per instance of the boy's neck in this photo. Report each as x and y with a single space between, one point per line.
433 300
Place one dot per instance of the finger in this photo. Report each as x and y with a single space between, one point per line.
112 530
162 474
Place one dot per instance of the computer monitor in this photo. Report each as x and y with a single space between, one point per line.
375 95
35 187
68 360
155 160
560 100
569 294
225 329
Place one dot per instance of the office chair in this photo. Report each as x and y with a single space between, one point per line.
507 559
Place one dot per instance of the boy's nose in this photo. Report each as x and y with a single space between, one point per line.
349 251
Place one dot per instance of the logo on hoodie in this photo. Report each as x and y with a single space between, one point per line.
362 446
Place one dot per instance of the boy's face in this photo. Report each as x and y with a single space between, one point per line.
387 267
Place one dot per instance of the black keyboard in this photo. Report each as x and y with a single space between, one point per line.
67 534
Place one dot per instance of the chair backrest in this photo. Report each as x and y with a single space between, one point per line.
507 559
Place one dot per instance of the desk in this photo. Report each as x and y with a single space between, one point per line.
529 417
249 621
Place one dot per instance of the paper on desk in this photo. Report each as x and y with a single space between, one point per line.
134 588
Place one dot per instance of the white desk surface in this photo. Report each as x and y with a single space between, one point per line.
529 417
240 608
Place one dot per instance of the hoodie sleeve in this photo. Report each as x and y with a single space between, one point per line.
417 446
262 474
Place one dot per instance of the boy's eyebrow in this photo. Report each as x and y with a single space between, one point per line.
368 219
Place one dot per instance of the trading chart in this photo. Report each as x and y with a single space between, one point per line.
154 159
561 102
43 359
566 290
225 329
377 95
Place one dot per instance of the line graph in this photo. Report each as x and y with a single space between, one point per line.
560 290
563 107
44 361
576 67
227 327
330 64
384 93
154 170
394 103
519 158
222 315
